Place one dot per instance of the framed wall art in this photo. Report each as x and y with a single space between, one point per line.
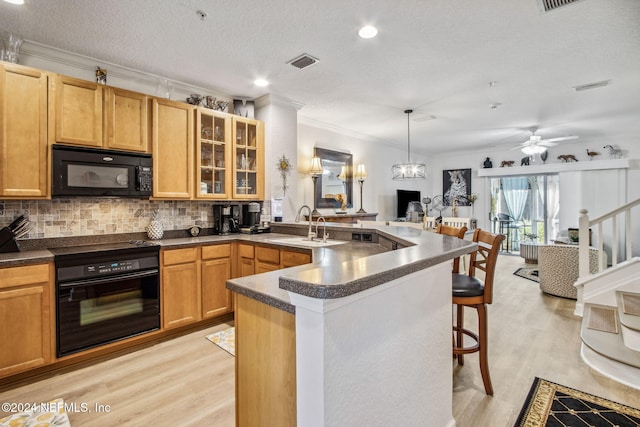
456 185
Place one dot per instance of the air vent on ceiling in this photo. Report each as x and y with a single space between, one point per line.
549 5
303 61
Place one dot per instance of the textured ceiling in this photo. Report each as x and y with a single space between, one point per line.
435 56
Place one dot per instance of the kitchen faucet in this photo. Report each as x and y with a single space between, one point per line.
324 235
310 234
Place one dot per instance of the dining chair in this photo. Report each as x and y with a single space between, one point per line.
429 222
469 291
448 230
455 221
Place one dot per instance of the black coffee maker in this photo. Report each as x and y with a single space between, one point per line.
251 215
226 219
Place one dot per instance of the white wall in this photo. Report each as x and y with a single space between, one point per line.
379 190
598 191
280 118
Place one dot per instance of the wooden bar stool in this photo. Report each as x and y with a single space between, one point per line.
448 230
469 291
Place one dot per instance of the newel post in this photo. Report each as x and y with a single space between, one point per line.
583 243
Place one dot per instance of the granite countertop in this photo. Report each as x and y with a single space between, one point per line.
335 272
342 270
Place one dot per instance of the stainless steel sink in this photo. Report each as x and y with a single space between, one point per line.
302 241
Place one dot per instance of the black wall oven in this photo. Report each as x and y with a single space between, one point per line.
92 172
105 294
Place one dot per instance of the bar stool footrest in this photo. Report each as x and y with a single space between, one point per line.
470 349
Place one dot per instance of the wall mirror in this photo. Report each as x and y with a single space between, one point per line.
331 181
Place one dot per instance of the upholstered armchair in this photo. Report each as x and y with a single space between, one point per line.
558 268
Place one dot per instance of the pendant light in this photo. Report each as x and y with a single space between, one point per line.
406 171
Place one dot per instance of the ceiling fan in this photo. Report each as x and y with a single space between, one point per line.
536 145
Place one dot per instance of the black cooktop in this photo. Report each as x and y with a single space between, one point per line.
106 249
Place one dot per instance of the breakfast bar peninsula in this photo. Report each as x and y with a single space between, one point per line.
360 336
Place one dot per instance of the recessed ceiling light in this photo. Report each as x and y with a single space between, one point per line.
368 32
15 1
261 82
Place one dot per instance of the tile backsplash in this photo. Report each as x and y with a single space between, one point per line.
85 217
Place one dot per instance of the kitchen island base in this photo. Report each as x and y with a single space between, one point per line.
379 357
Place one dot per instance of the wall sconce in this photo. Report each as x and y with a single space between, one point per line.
315 170
360 175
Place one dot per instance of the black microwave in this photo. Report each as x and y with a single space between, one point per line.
93 172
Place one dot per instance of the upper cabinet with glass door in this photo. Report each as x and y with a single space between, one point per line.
248 158
213 155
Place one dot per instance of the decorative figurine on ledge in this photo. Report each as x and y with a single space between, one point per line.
525 161
487 163
507 163
592 154
614 153
544 155
566 158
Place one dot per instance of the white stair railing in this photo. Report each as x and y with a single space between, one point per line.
585 225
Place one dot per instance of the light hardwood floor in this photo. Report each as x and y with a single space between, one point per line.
188 381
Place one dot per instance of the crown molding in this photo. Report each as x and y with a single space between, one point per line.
280 101
302 120
65 58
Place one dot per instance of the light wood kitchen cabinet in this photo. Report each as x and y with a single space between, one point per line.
23 133
291 259
213 155
78 111
25 318
172 136
181 293
248 158
126 120
216 270
246 264
92 115
267 259
265 364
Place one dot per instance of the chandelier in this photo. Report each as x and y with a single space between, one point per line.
405 171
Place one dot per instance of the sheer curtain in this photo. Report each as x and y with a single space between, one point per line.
516 191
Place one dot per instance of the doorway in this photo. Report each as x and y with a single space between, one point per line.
525 208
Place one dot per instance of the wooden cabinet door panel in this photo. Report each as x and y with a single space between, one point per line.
216 298
262 267
172 134
23 132
246 267
179 256
270 255
25 318
291 259
216 251
180 295
126 120
78 111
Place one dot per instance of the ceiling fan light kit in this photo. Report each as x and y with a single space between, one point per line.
536 145
533 149
407 171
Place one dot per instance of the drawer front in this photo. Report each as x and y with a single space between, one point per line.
290 259
179 256
216 251
24 275
245 251
269 255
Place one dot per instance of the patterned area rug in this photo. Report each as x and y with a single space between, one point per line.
528 273
226 340
549 404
